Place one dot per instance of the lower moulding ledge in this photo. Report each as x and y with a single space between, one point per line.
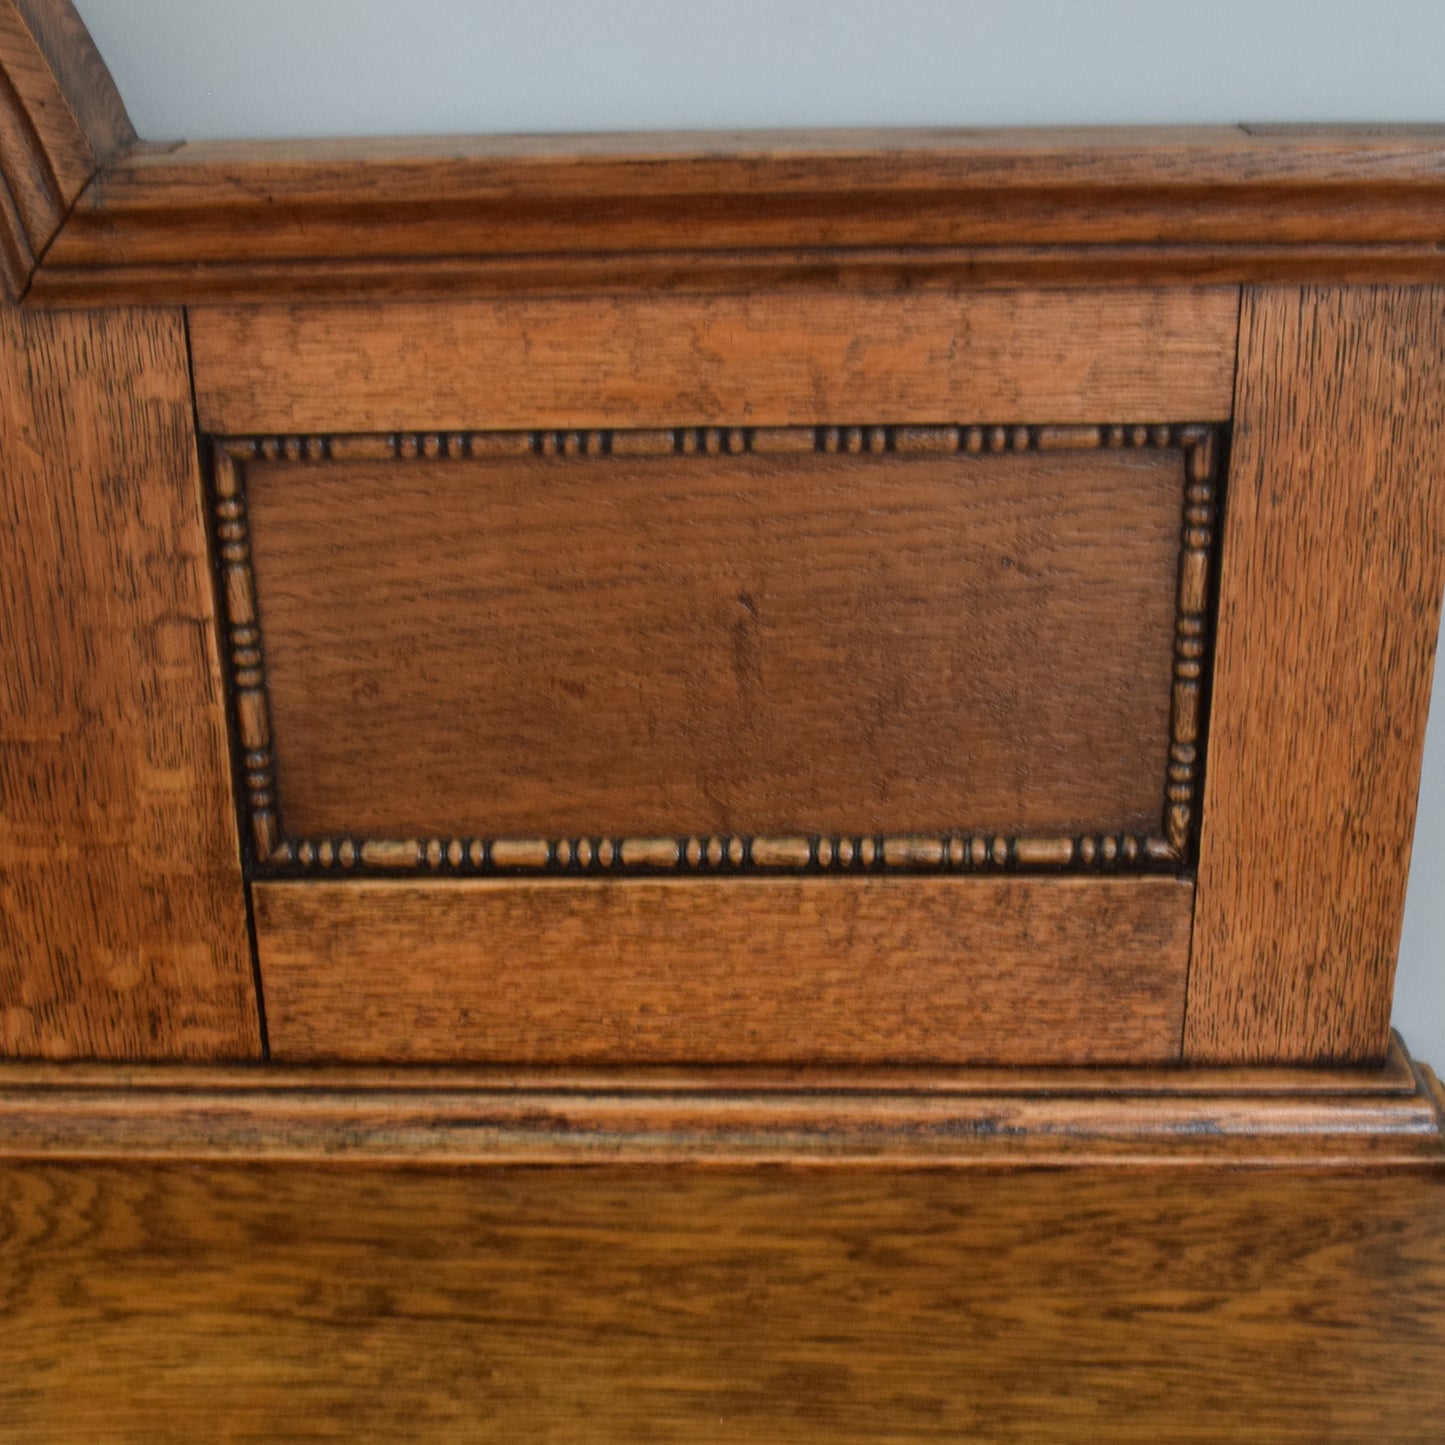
1389 1118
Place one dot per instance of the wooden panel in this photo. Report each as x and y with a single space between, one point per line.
657 213
122 921
1333 568
774 642
900 970
762 360
152 1303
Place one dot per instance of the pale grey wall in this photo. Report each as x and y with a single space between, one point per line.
203 68
312 67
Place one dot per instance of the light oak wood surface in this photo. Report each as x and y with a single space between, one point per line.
784 1157
79 1081
1328 614
663 360
61 119
122 917
899 970
715 1116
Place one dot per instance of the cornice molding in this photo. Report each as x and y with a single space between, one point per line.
518 216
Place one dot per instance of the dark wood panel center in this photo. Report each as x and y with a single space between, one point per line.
630 635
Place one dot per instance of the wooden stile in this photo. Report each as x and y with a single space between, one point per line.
123 926
1329 608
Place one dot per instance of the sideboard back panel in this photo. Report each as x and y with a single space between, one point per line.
790 598
782 677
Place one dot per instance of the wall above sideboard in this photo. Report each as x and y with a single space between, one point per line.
369 67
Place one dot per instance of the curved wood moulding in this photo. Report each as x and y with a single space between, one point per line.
498 216
242 220
61 120
928 1119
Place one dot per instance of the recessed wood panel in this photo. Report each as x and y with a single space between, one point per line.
760 970
870 634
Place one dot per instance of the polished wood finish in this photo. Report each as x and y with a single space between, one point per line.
155 1303
779 1192
752 212
663 360
122 917
840 1117
61 120
1335 560
800 970
627 635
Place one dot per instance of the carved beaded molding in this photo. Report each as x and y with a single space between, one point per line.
274 853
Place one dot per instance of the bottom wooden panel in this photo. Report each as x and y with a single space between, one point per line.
906 970
153 1303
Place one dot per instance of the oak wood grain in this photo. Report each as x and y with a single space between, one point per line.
873 970
122 917
640 643
247 221
739 360
1328 615
147 1303
61 119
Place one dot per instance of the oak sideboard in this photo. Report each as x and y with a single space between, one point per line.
694 786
